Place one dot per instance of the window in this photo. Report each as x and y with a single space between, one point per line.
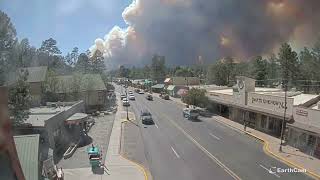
271 123
100 96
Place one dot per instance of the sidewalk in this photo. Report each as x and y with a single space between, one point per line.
116 166
289 155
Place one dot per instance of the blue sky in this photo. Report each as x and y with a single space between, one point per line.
70 22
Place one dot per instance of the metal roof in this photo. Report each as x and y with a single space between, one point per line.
35 74
28 152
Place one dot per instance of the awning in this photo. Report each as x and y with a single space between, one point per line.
305 127
158 86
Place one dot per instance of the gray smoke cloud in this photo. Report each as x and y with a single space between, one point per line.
193 31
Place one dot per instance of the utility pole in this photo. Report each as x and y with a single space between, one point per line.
285 84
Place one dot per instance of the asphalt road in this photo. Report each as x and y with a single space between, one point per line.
176 148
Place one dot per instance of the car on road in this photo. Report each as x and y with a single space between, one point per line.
125 102
123 96
190 113
141 92
146 117
149 97
132 97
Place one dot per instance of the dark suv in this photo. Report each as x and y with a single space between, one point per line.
146 117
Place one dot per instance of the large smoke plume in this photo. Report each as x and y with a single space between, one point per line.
185 30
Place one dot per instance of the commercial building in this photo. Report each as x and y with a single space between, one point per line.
263 109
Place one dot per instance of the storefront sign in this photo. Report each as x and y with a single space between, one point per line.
270 102
279 104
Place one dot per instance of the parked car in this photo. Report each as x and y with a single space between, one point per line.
146 117
141 92
149 97
190 113
165 96
125 102
123 96
137 90
132 97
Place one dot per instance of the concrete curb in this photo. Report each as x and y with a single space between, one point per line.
270 153
141 167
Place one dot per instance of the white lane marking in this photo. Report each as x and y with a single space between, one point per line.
269 171
156 125
175 152
214 136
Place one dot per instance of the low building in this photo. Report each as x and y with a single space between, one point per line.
157 88
36 79
263 108
28 152
182 81
87 87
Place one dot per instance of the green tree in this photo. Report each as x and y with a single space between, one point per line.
97 61
229 69
20 99
260 70
8 40
158 68
288 60
184 72
196 97
50 47
124 72
83 64
217 74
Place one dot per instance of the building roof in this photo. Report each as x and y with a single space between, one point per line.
223 91
28 152
158 86
171 87
83 82
167 80
35 74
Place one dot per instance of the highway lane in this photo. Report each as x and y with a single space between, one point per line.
171 155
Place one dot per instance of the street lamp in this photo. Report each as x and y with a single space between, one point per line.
127 100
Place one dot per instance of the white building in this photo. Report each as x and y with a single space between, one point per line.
263 109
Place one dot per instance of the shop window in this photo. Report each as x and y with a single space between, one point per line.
263 121
272 124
